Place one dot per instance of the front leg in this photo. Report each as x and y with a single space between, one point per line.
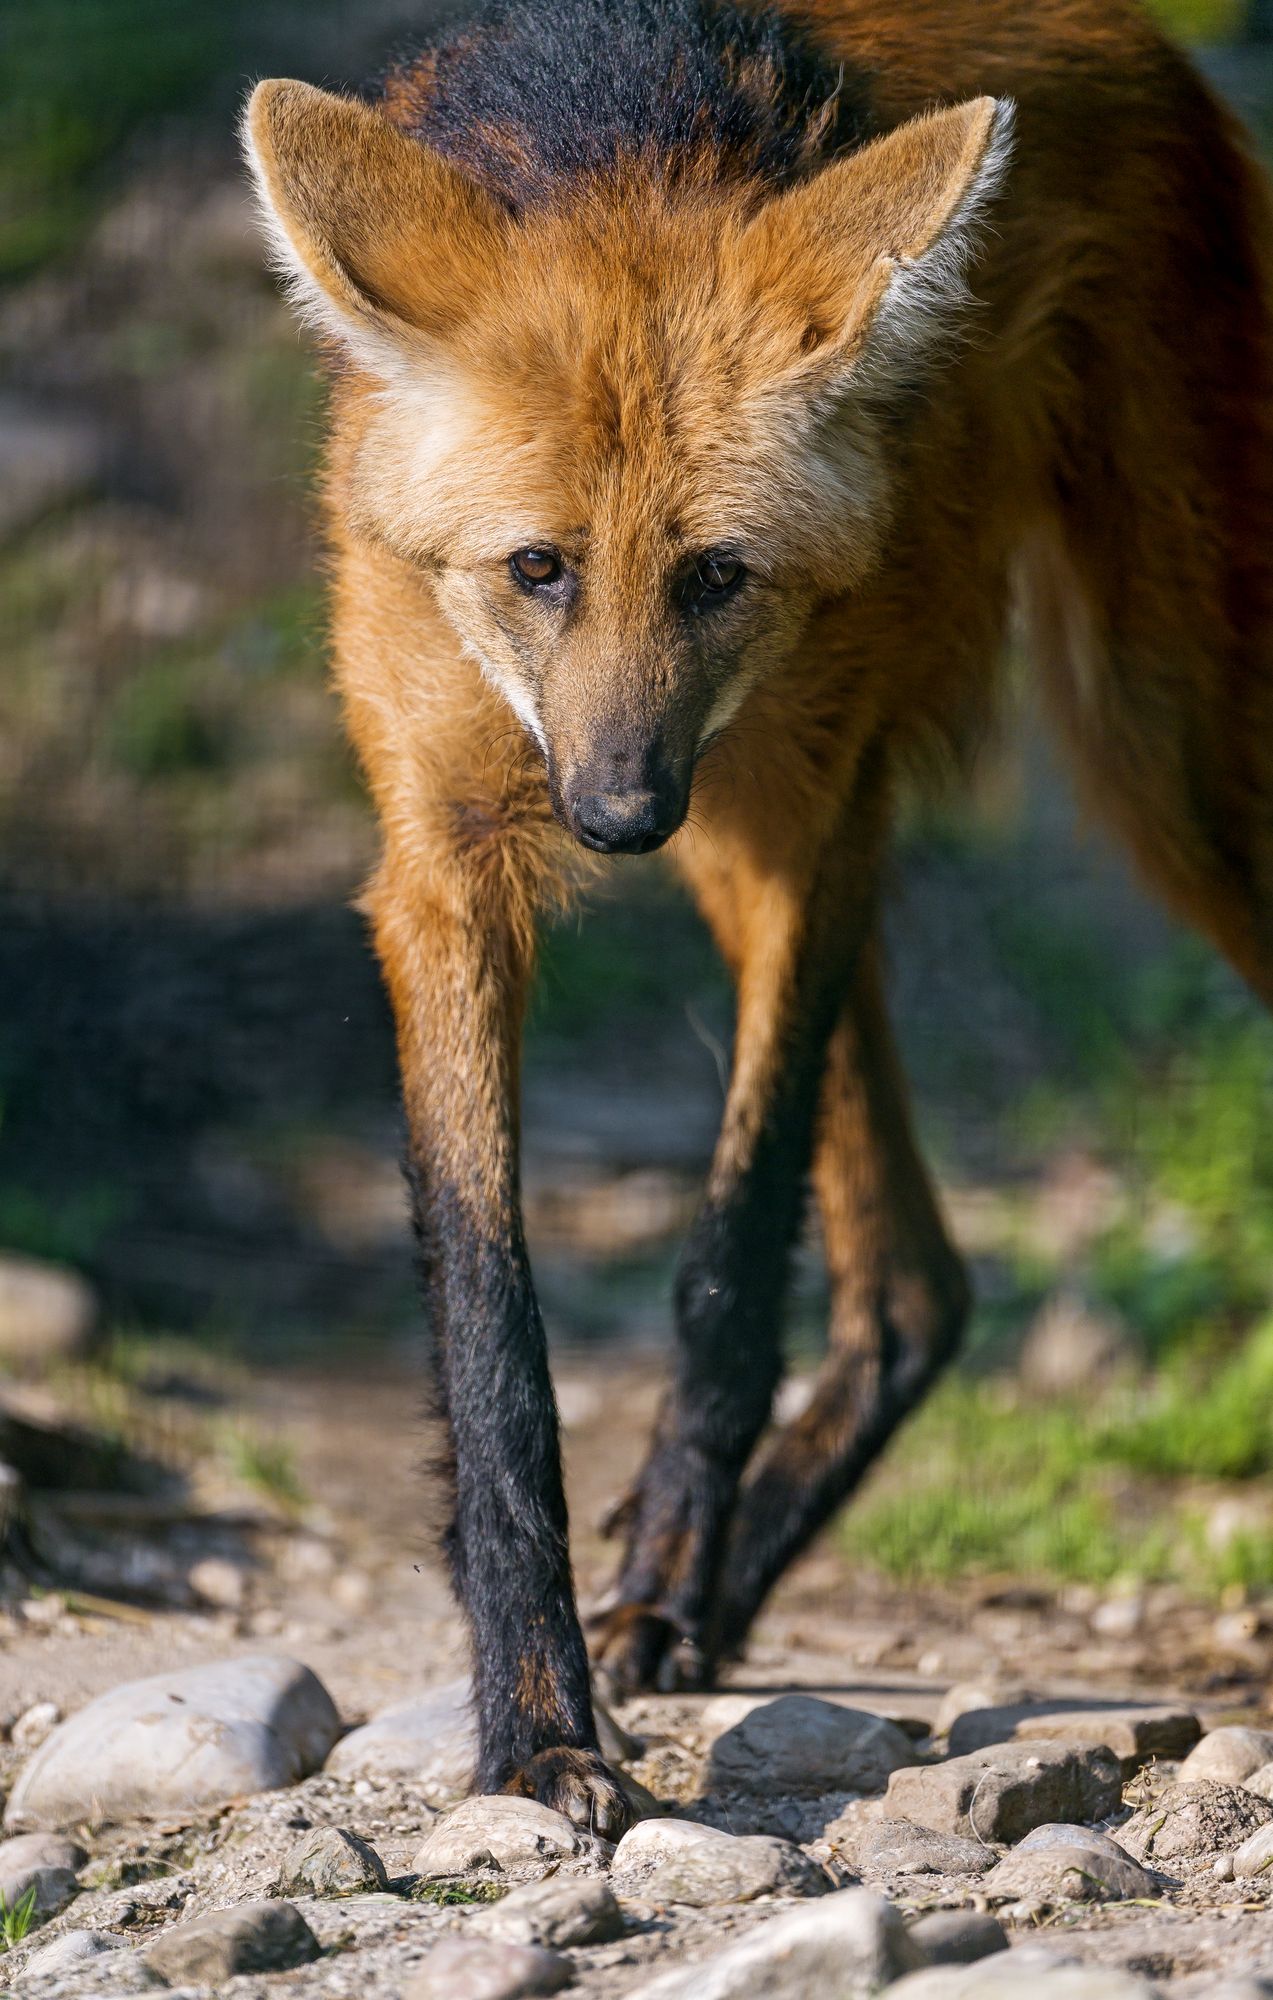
455 955
792 927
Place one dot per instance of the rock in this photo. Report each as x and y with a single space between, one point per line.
844 1947
54 1889
1193 1820
179 1740
432 1740
1067 1874
556 1914
330 1861
1072 1343
1002 1792
682 1862
40 1850
899 1847
251 1937
1255 1856
1260 1782
1119 1617
800 1745
35 1725
1228 1756
70 1951
1135 1735
1061 1834
1010 1977
962 1699
958 1937
514 1836
218 1582
47 1314
467 1969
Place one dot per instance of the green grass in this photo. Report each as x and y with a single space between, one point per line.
268 1464
454 1895
16 1922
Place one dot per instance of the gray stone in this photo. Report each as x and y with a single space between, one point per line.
187 1739
1255 1855
959 1937
1228 1756
1002 1792
899 1847
1192 1821
1135 1735
331 1861
1260 1782
35 1725
557 1913
432 1740
709 1867
47 1314
964 1697
40 1850
1062 1834
469 1969
251 1937
1009 1977
1206 1986
800 1745
70 1951
514 1836
1067 1874
54 1888
844 1947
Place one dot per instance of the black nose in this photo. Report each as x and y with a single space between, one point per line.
622 822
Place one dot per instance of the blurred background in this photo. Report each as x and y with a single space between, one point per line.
203 1251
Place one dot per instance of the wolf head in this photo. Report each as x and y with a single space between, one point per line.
633 433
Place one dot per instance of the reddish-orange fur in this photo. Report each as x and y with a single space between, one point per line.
625 374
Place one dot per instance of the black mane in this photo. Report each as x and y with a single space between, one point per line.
525 96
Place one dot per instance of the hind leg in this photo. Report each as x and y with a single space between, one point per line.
899 1303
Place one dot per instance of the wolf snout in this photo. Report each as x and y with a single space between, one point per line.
623 822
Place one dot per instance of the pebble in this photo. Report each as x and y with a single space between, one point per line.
842 1947
556 1914
1002 1792
46 1313
432 1740
218 1582
40 1850
54 1889
806 1747
70 1951
1223 1869
514 1836
899 1847
467 1969
1063 1834
1255 1855
959 1937
331 1861
1260 1782
34 1725
666 1862
963 1698
251 1937
1228 1756
1135 1735
1190 1821
191 1738
1068 1874
1010 1978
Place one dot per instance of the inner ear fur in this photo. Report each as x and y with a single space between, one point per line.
869 256
378 235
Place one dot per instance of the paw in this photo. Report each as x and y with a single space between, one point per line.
578 1784
640 1650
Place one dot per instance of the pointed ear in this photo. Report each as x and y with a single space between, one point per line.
868 258
381 240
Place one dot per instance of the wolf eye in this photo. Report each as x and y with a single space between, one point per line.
712 579
535 567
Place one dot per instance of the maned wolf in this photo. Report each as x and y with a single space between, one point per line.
707 388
